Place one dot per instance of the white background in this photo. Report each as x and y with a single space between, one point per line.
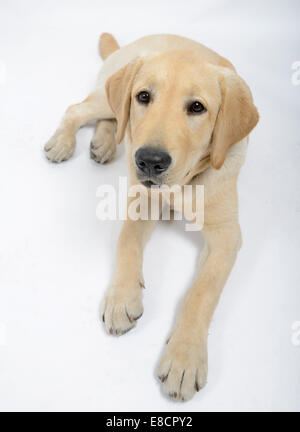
56 258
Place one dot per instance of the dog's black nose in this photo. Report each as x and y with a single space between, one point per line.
152 161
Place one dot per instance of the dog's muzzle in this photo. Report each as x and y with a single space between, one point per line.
151 163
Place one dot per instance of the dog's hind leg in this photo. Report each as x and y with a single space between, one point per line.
62 144
103 144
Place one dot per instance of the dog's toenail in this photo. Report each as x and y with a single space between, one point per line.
103 318
111 331
197 386
142 285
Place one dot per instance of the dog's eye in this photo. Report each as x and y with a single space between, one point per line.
196 108
143 97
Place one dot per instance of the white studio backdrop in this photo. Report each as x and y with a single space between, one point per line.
56 257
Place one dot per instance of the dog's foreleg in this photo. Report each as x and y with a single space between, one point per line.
103 144
62 144
122 304
183 367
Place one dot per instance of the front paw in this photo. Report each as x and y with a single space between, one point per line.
121 310
183 368
103 146
60 147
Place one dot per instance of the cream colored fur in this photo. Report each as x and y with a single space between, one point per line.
175 69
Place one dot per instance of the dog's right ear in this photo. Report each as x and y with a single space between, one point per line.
236 118
118 92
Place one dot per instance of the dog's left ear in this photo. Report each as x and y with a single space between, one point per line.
236 118
118 91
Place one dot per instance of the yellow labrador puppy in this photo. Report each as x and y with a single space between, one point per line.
186 115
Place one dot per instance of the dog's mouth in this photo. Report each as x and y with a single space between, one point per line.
149 183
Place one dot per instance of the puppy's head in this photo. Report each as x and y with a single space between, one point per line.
177 109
